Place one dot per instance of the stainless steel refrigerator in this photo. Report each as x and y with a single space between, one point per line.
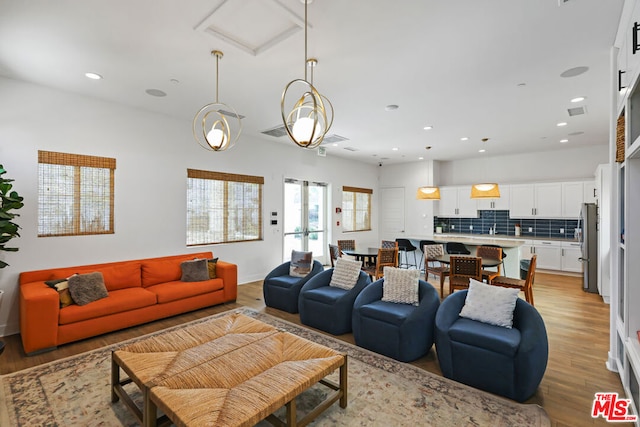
587 233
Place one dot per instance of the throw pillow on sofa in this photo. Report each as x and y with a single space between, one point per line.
401 285
211 265
194 271
86 288
490 304
346 273
62 287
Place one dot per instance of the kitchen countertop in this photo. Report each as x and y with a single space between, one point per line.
495 239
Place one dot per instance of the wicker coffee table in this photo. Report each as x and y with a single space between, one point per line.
230 371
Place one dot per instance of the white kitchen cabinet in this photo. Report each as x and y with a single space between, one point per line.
590 192
549 254
540 200
571 254
572 199
521 201
500 204
456 202
526 250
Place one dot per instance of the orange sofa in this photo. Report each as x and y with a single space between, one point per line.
139 291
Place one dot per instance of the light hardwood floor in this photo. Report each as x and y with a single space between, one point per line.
577 325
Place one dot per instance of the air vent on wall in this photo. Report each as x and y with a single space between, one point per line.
350 149
576 111
333 138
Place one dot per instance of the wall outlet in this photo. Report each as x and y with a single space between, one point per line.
530 229
562 231
471 227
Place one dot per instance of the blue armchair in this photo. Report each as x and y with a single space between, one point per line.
508 362
329 308
401 331
281 290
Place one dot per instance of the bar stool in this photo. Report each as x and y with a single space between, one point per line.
405 246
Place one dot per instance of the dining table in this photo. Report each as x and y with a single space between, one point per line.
364 254
486 262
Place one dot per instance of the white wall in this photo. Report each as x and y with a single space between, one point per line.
560 165
152 154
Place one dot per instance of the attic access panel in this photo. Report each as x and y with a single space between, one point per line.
253 26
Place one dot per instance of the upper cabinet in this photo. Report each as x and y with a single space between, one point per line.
457 202
541 200
500 204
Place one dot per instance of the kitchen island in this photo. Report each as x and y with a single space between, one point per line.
510 247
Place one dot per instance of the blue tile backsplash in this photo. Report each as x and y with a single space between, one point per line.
540 228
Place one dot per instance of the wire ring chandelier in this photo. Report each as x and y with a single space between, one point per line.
211 128
310 117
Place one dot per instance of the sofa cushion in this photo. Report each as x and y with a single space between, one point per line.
490 337
176 290
325 294
162 270
62 287
117 302
87 288
388 312
120 276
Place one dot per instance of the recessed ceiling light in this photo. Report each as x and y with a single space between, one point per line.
395 148
427 127
93 76
420 158
391 107
156 92
464 138
174 81
335 144
564 141
561 124
482 150
522 84
578 99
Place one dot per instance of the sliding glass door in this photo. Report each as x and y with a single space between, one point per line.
305 218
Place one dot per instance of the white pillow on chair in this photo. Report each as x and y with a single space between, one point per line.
490 304
345 273
401 285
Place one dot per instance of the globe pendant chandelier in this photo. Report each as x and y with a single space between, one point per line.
211 128
308 119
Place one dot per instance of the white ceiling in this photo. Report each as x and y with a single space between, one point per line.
469 68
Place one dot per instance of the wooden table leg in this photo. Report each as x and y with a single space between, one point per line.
115 379
343 383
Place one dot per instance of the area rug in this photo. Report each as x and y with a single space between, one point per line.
382 392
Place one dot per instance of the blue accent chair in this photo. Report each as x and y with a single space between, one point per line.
329 308
402 331
508 362
281 290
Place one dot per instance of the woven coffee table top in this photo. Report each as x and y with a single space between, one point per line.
169 354
244 386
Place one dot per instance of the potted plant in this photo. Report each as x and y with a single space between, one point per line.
9 201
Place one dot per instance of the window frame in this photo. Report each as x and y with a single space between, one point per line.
227 179
354 191
78 161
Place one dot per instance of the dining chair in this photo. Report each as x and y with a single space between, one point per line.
421 247
457 248
504 254
334 253
434 267
386 244
405 246
491 252
463 268
387 257
345 245
525 285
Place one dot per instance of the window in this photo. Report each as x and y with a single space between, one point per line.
356 209
75 194
223 207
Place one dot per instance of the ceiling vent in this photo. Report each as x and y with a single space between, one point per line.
576 111
350 149
276 132
333 139
230 114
